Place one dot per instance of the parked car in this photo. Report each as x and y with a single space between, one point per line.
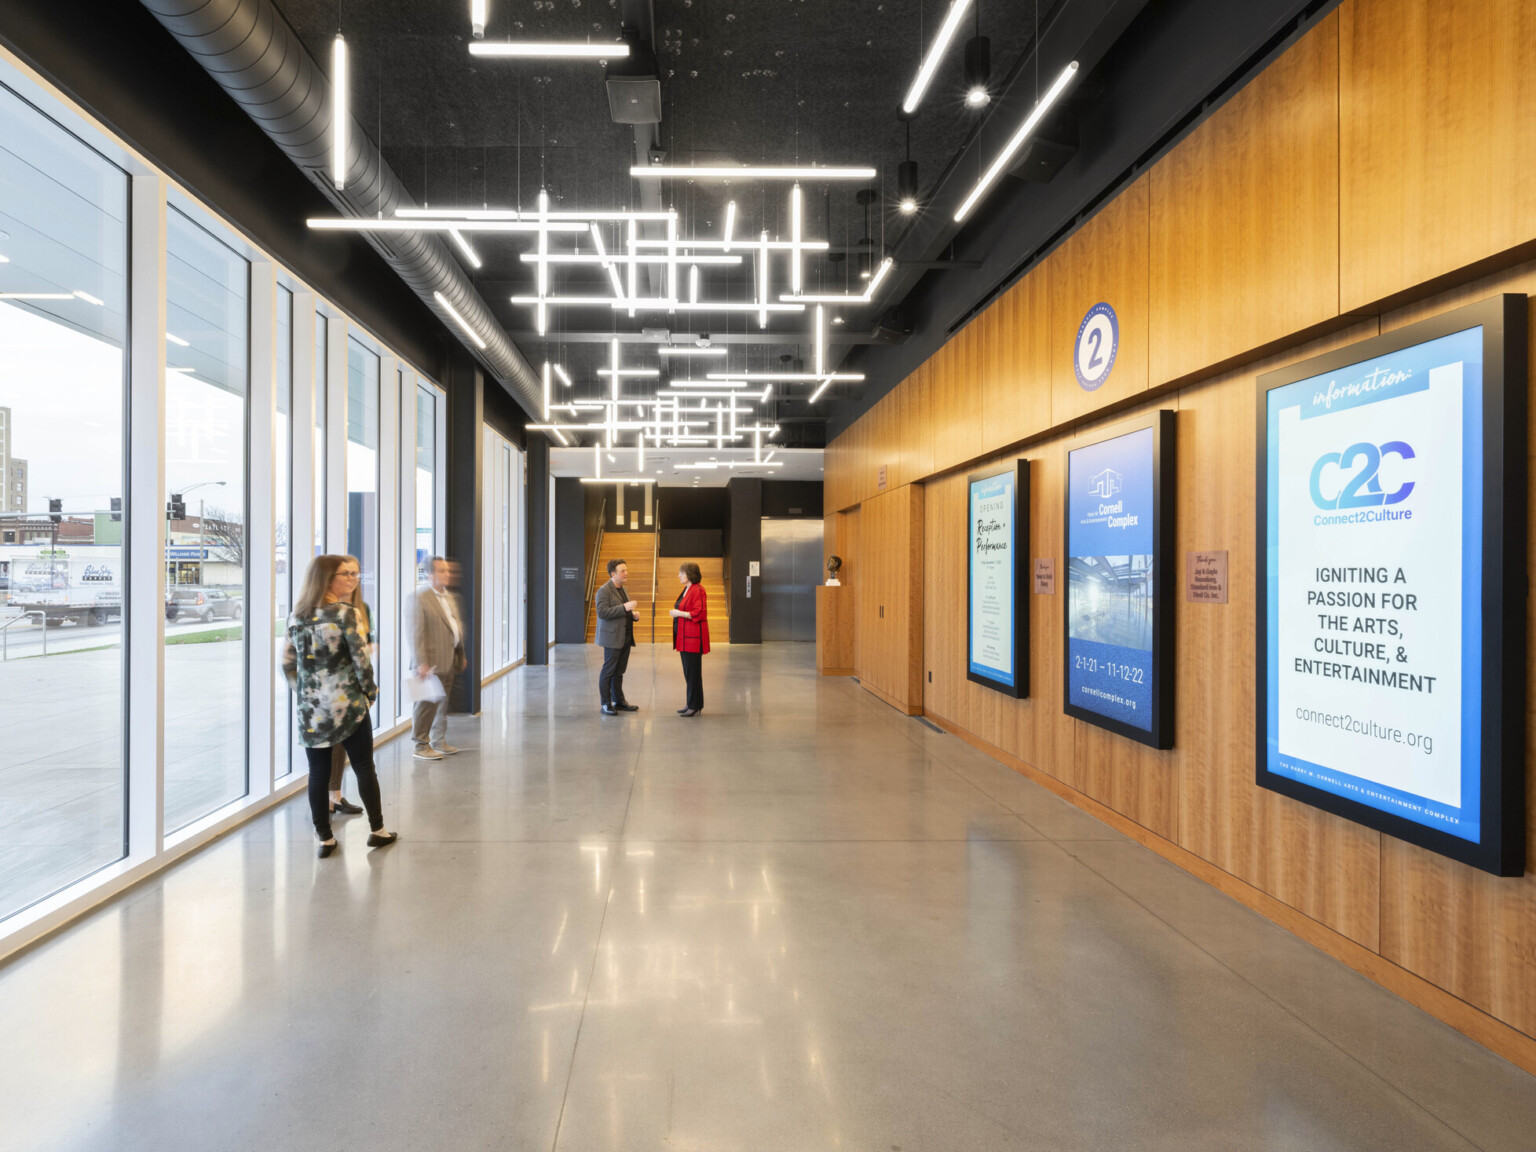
203 604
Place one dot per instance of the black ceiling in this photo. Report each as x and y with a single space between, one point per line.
774 82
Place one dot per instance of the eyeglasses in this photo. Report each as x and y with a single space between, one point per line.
349 575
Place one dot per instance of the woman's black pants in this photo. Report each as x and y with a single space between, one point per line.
359 746
693 675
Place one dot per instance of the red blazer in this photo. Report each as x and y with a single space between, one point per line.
692 635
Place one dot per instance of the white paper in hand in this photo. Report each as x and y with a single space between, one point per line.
428 688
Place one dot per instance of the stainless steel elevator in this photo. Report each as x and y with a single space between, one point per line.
791 571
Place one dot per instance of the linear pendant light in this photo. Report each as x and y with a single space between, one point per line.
341 114
458 319
1031 122
477 16
747 172
930 62
548 50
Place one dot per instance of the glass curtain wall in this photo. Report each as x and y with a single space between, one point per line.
63 346
363 477
282 507
207 296
72 405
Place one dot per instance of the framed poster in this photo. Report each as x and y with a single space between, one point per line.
997 618
1120 581
1391 581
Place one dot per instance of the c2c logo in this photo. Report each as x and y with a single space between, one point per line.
1363 489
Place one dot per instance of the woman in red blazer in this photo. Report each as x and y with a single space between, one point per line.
690 634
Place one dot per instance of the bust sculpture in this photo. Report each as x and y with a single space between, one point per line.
834 566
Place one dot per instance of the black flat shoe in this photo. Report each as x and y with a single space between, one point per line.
627 707
689 712
377 841
346 806
327 849
610 710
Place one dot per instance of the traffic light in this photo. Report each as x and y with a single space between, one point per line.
117 508
55 510
177 510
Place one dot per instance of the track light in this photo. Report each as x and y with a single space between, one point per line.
340 112
978 71
1031 122
935 52
477 17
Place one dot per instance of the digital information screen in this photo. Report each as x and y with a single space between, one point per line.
1118 616
998 634
1375 592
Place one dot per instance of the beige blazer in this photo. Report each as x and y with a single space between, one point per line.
432 636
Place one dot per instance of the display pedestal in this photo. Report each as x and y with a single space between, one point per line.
834 630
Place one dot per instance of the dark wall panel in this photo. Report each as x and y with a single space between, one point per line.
786 498
570 560
745 545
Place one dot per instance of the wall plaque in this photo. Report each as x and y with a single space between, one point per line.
1205 577
1045 576
880 479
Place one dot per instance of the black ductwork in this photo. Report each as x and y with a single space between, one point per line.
253 54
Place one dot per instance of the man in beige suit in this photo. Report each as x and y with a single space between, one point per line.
437 637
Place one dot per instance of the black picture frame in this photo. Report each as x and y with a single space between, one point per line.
1502 815
1019 689
1165 583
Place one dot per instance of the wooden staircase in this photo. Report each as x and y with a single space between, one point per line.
637 550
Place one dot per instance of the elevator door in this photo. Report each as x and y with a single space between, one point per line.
791 571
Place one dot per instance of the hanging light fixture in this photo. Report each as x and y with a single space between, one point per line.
906 177
866 197
978 67
477 17
341 114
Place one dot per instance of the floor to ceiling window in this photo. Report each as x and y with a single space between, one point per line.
425 476
63 337
501 575
363 474
282 528
206 405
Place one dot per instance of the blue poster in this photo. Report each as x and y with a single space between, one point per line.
1374 581
1110 602
993 563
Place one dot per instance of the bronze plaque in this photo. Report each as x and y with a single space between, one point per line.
1206 577
1045 576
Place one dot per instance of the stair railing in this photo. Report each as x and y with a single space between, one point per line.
596 557
655 565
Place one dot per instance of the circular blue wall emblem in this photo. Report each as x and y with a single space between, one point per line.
1098 339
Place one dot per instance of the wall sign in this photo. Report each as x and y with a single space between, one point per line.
1098 340
997 631
1045 576
1119 607
1205 577
1391 552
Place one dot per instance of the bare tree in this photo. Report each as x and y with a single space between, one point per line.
224 536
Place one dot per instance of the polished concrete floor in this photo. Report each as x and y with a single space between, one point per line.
799 921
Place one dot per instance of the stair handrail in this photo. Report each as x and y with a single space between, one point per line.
655 564
597 553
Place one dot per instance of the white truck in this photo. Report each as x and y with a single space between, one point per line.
62 587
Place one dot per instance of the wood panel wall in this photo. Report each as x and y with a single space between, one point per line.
1377 161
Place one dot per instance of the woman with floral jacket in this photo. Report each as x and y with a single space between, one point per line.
328 665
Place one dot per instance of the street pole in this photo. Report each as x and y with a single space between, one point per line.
202 572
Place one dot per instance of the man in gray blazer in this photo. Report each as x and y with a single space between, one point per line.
616 616
437 638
